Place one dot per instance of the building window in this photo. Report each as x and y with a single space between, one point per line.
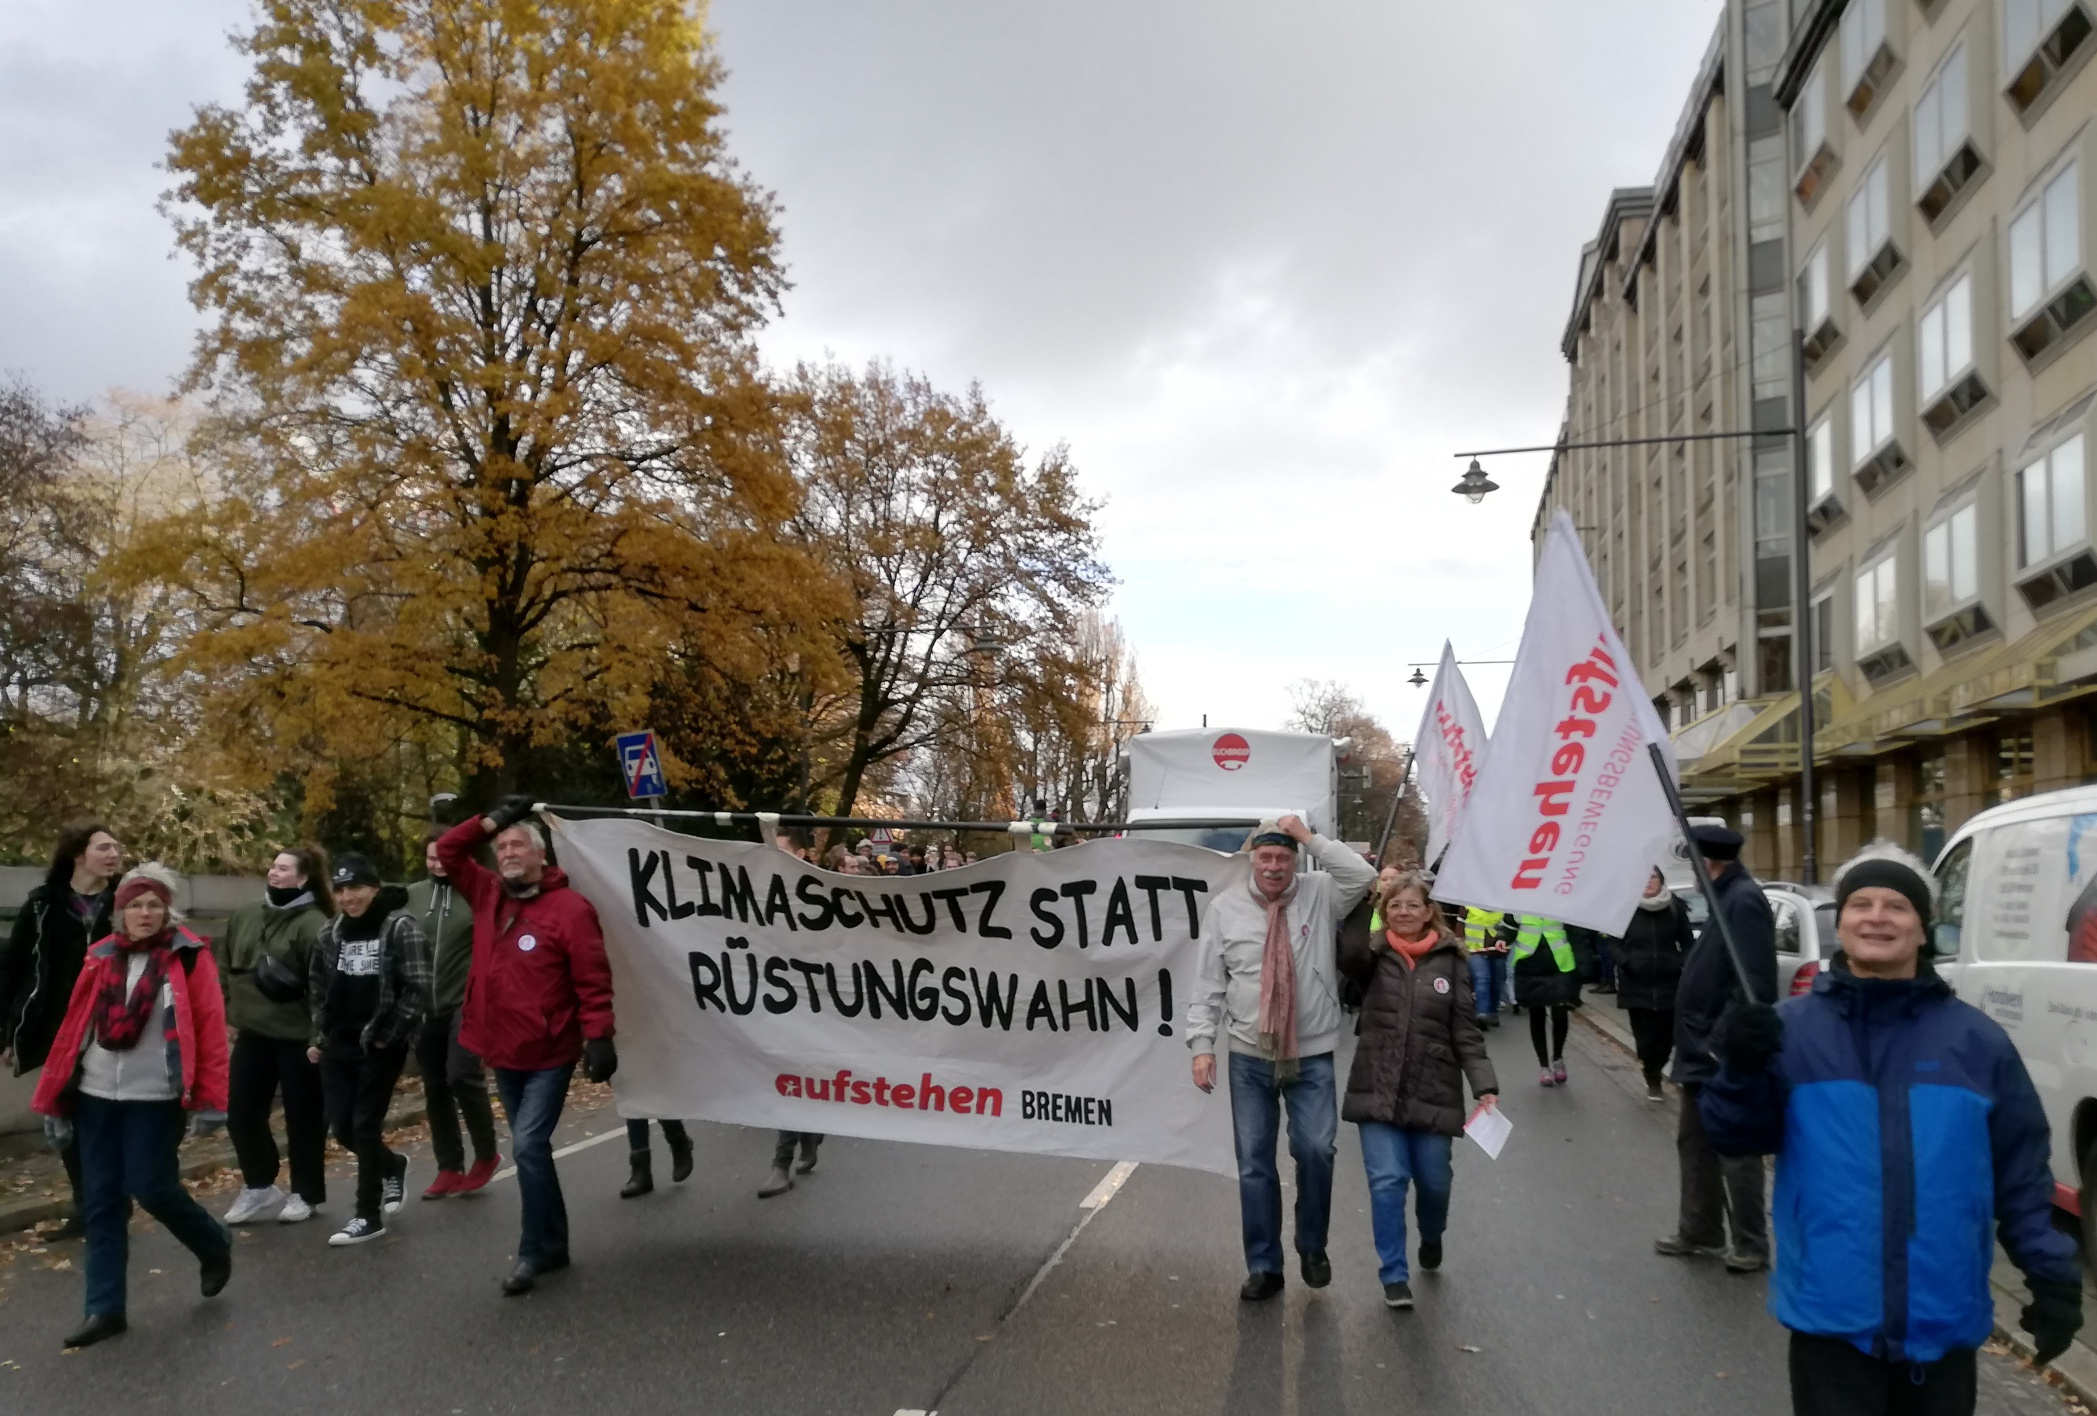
1951 579
1823 507
1950 386
2050 504
1880 653
2053 555
1878 608
1873 258
1926 811
1766 189
2050 293
1876 457
1811 157
1824 632
1816 312
2039 38
1866 57
1770 329
1946 160
2013 764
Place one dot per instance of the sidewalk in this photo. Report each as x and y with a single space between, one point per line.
34 1190
2076 1368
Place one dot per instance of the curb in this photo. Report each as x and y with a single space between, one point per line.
197 1161
2075 1369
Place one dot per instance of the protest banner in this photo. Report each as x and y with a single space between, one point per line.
1448 750
1032 1002
1568 816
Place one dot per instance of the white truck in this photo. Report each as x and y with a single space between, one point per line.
1232 772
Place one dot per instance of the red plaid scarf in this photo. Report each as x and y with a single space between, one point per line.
121 1015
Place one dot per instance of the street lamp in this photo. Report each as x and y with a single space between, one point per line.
1475 484
1419 678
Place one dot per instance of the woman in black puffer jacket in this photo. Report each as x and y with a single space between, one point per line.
1419 1044
42 956
1648 967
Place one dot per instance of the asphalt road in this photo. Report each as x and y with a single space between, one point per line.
903 1279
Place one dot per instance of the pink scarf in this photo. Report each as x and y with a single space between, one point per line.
1278 986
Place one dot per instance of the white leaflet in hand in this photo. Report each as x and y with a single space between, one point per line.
1490 1128
1568 817
1451 746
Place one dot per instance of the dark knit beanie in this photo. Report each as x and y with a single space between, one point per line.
1887 874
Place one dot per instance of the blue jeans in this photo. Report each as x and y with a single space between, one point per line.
533 1102
1314 1122
127 1152
1488 983
1395 1156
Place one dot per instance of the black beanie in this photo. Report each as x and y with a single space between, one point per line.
1891 875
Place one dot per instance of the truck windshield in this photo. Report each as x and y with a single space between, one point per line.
1224 839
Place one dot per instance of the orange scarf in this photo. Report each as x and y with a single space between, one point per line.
1412 950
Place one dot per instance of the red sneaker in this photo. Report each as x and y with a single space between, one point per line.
483 1171
446 1183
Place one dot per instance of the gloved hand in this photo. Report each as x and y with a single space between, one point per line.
206 1123
2053 1317
1749 1035
508 811
600 1059
58 1132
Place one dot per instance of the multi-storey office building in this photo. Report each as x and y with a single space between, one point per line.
1940 193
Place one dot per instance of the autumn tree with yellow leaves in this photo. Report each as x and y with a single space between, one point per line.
494 449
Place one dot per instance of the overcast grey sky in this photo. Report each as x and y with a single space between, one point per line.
1263 267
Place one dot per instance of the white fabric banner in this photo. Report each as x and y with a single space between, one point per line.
1032 1002
1449 748
1568 816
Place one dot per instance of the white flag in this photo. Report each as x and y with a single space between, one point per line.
1448 750
1568 816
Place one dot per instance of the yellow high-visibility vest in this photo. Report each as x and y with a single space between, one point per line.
1537 930
1479 925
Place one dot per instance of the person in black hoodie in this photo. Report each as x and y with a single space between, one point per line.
368 983
1649 969
43 955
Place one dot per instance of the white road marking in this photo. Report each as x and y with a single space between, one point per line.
1109 1186
565 1151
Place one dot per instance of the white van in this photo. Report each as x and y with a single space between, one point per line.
1224 773
2017 937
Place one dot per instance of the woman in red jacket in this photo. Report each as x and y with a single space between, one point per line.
141 1050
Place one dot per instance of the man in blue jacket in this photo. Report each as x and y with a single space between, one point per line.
1903 1123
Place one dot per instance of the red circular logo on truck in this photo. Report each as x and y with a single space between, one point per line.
1232 752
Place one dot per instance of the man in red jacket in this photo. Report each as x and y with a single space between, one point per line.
538 997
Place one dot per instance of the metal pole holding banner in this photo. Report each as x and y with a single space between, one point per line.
1014 828
1390 819
1696 863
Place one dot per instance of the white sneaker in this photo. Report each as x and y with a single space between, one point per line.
295 1211
256 1206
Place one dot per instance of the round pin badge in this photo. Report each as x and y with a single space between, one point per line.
528 942
1441 985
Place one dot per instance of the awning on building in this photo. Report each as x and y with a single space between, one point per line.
2029 672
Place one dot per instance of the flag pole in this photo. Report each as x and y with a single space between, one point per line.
1696 863
1390 819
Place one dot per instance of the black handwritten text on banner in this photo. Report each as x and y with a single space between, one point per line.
1032 1002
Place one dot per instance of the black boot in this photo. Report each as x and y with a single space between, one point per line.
641 1180
97 1327
808 1154
680 1155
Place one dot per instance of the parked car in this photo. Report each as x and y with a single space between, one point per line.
1805 917
2016 936
1805 934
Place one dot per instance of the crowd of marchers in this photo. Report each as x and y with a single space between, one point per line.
1907 1133
1893 1108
